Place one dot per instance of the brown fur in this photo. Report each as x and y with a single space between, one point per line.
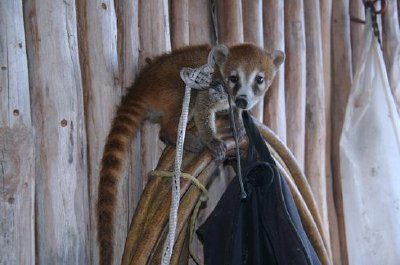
157 95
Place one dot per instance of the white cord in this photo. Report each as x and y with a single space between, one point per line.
198 78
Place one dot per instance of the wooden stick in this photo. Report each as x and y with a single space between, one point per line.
326 18
253 33
230 22
274 102
17 157
295 79
341 84
391 47
62 203
357 10
200 25
179 23
314 164
154 40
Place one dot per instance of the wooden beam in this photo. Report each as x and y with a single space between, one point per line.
253 33
200 25
341 84
230 21
274 102
295 79
314 163
62 206
17 171
357 10
179 23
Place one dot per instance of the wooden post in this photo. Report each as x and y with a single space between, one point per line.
391 47
357 10
341 84
128 51
17 171
253 33
295 78
179 23
62 208
326 25
274 102
199 22
99 61
154 40
314 163
230 21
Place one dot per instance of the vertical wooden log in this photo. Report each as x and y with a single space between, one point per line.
314 163
253 33
391 47
341 84
62 207
295 78
128 51
274 102
179 23
99 61
326 18
230 21
200 25
17 173
154 40
357 10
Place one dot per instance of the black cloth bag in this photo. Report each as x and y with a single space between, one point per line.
265 228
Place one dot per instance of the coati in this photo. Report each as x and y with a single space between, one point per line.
157 95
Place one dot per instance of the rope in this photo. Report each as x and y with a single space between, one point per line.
198 78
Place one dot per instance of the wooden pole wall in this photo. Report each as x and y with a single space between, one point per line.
64 66
17 158
62 206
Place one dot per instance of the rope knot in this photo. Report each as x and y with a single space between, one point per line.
197 78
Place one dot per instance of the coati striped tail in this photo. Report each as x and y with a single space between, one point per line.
124 127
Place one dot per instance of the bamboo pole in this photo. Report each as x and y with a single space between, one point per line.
179 23
391 47
62 206
274 102
253 33
341 84
199 22
314 163
99 61
326 19
17 172
295 78
230 21
154 40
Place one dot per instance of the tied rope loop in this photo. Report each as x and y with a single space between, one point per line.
196 78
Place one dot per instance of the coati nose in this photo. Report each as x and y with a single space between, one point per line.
241 102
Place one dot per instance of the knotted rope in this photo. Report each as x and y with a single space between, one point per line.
197 78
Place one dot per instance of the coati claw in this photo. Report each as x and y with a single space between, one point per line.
218 148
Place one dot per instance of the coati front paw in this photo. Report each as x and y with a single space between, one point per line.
218 148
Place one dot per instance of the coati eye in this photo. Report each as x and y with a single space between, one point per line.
233 78
259 79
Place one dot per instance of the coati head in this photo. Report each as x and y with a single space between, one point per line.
247 71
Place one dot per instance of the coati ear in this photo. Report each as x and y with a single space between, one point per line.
219 54
278 58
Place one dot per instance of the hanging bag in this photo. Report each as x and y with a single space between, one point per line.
263 229
370 162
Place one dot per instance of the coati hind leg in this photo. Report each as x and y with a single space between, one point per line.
169 132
